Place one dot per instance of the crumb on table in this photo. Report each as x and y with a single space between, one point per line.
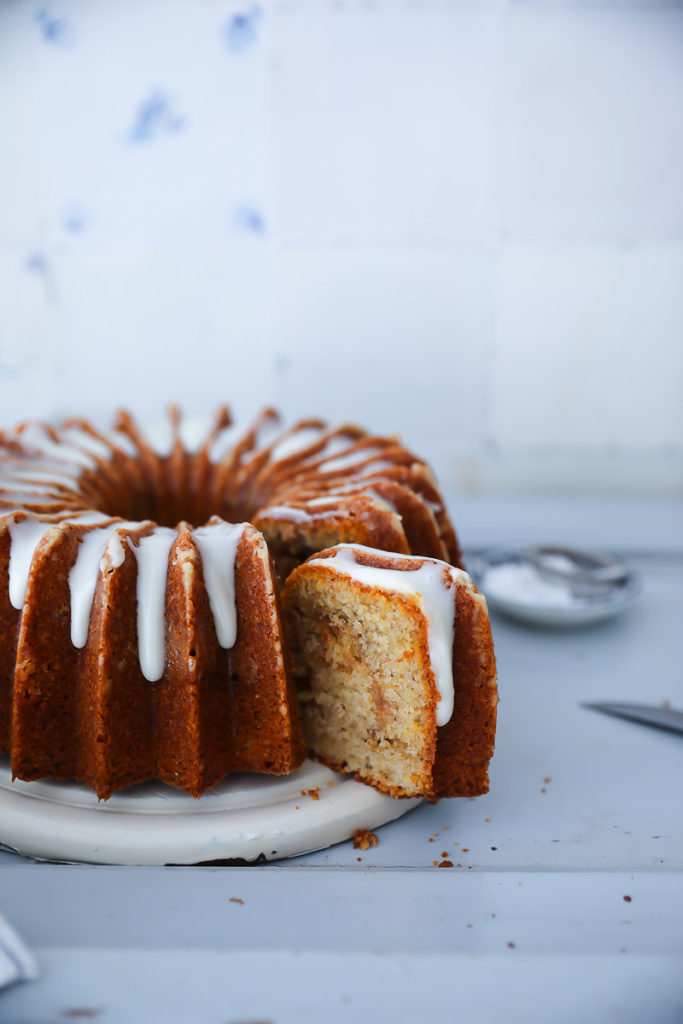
363 839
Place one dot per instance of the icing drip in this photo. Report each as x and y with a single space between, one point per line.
26 535
42 473
18 499
82 439
160 436
300 515
34 435
266 433
83 577
152 556
295 443
194 433
353 458
230 436
123 443
437 600
332 447
12 486
314 508
87 518
223 442
217 543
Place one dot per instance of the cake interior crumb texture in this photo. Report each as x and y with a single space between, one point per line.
366 692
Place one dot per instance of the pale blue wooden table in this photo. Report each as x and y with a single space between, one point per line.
530 924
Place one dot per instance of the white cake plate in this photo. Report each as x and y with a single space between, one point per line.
245 818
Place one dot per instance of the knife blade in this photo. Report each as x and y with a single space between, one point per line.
647 714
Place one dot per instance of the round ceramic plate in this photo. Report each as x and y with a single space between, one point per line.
245 818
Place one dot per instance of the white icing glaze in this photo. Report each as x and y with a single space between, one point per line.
353 458
42 472
287 513
295 515
83 576
194 432
375 467
123 442
26 535
87 518
333 446
224 442
217 543
437 600
266 433
82 439
160 437
12 486
383 498
35 435
152 554
328 499
295 443
103 546
19 499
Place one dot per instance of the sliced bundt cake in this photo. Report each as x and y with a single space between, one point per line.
135 645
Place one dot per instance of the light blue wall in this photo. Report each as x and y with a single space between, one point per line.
462 221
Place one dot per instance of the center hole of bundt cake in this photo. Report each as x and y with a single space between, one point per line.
169 495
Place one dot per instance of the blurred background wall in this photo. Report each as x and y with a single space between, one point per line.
462 221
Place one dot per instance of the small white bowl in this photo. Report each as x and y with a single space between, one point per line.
608 601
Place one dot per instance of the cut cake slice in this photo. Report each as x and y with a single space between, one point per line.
395 670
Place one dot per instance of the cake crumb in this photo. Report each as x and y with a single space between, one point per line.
543 789
446 864
627 899
511 945
487 819
359 859
444 853
313 793
547 778
465 849
435 863
363 839
236 899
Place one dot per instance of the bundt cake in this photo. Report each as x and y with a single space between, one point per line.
395 670
134 645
